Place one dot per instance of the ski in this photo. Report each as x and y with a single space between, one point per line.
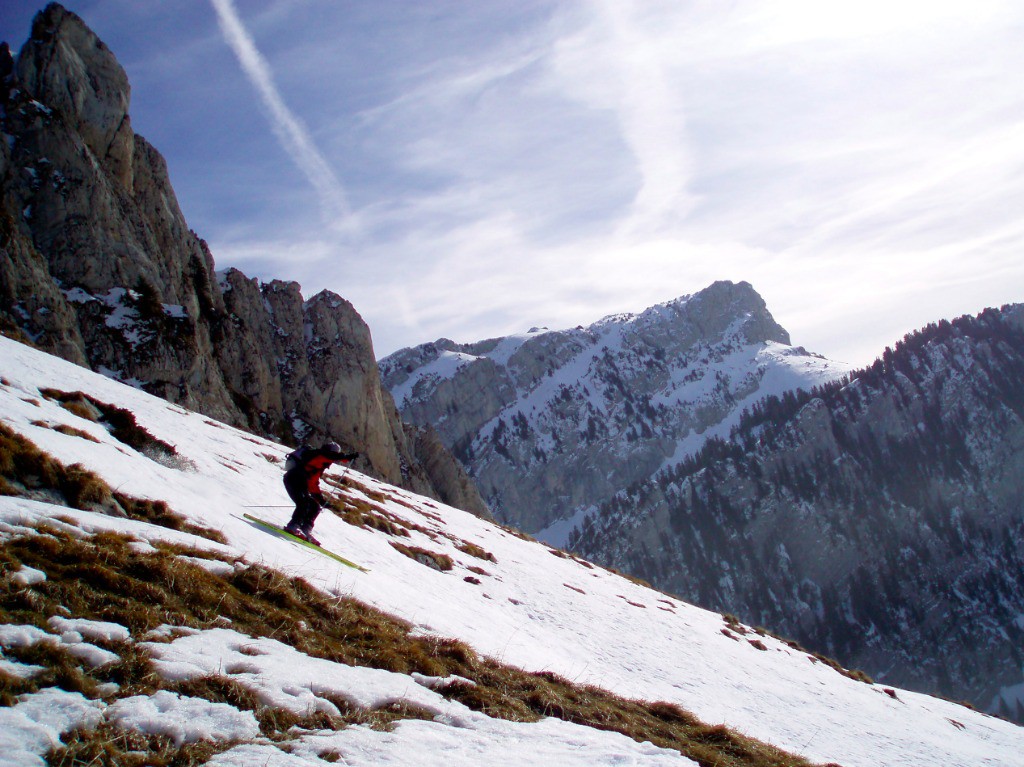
274 528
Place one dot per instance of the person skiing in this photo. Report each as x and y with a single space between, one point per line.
304 468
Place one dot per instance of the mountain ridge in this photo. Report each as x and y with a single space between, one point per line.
832 515
579 413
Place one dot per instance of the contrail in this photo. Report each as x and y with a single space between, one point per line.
289 129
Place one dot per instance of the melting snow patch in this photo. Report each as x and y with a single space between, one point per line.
34 726
142 547
78 296
23 636
214 566
283 677
28 576
91 655
170 632
182 719
19 670
94 630
476 740
438 682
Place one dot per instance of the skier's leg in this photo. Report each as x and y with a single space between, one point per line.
297 524
298 494
312 512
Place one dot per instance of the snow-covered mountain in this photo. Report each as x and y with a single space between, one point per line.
129 639
551 424
877 519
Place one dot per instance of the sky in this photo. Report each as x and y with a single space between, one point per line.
473 169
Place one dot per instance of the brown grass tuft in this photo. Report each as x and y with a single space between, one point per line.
22 463
61 668
24 467
159 513
432 559
110 745
71 431
119 421
11 687
734 623
106 579
475 551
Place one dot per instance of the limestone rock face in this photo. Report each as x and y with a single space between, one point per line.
456 488
551 423
99 266
352 401
66 67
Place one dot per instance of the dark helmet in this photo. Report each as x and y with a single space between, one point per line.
331 447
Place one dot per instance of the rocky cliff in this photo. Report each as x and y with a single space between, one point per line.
552 423
98 265
878 519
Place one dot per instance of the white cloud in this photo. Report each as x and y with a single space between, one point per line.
860 166
617 63
290 131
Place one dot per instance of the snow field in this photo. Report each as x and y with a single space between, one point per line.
532 608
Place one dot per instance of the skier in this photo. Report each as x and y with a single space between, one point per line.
302 481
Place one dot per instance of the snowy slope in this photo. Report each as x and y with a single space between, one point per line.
532 609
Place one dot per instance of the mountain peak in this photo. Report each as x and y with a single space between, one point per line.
65 66
604 405
722 308
860 494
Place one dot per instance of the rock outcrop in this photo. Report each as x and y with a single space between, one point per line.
98 265
552 423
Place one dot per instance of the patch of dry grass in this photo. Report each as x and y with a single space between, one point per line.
110 745
277 724
25 465
733 624
371 514
104 578
159 513
25 468
368 514
432 559
475 551
71 431
360 513
121 422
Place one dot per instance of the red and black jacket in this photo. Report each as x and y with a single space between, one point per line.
306 476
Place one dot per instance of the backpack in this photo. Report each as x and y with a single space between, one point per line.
297 457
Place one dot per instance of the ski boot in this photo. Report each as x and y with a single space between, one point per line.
307 533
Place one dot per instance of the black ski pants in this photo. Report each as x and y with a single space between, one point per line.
307 507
